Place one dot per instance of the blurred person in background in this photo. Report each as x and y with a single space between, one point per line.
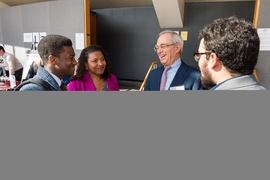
14 67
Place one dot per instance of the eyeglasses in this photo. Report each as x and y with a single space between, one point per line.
162 46
197 55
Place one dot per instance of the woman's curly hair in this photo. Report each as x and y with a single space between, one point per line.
82 60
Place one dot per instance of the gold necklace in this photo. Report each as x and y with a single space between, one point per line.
98 82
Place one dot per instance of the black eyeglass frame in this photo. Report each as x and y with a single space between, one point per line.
197 54
163 46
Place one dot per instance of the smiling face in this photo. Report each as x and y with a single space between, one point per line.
170 53
65 63
96 63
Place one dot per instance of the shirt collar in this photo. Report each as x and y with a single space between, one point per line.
55 78
176 63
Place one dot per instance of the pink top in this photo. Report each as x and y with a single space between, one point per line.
86 83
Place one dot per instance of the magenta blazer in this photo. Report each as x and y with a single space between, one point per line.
86 83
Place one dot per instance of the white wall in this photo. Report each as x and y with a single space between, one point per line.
55 17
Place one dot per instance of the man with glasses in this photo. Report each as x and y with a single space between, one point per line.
178 75
227 55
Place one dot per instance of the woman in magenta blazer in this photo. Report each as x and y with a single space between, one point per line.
93 71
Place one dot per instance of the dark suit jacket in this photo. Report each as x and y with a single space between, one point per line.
186 75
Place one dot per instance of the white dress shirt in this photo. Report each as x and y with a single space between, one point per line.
13 63
171 73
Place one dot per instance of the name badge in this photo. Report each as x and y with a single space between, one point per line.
178 88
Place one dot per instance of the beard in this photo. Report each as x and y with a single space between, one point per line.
207 80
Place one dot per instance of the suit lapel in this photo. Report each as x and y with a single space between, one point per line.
180 75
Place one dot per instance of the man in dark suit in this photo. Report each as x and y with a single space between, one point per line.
169 47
